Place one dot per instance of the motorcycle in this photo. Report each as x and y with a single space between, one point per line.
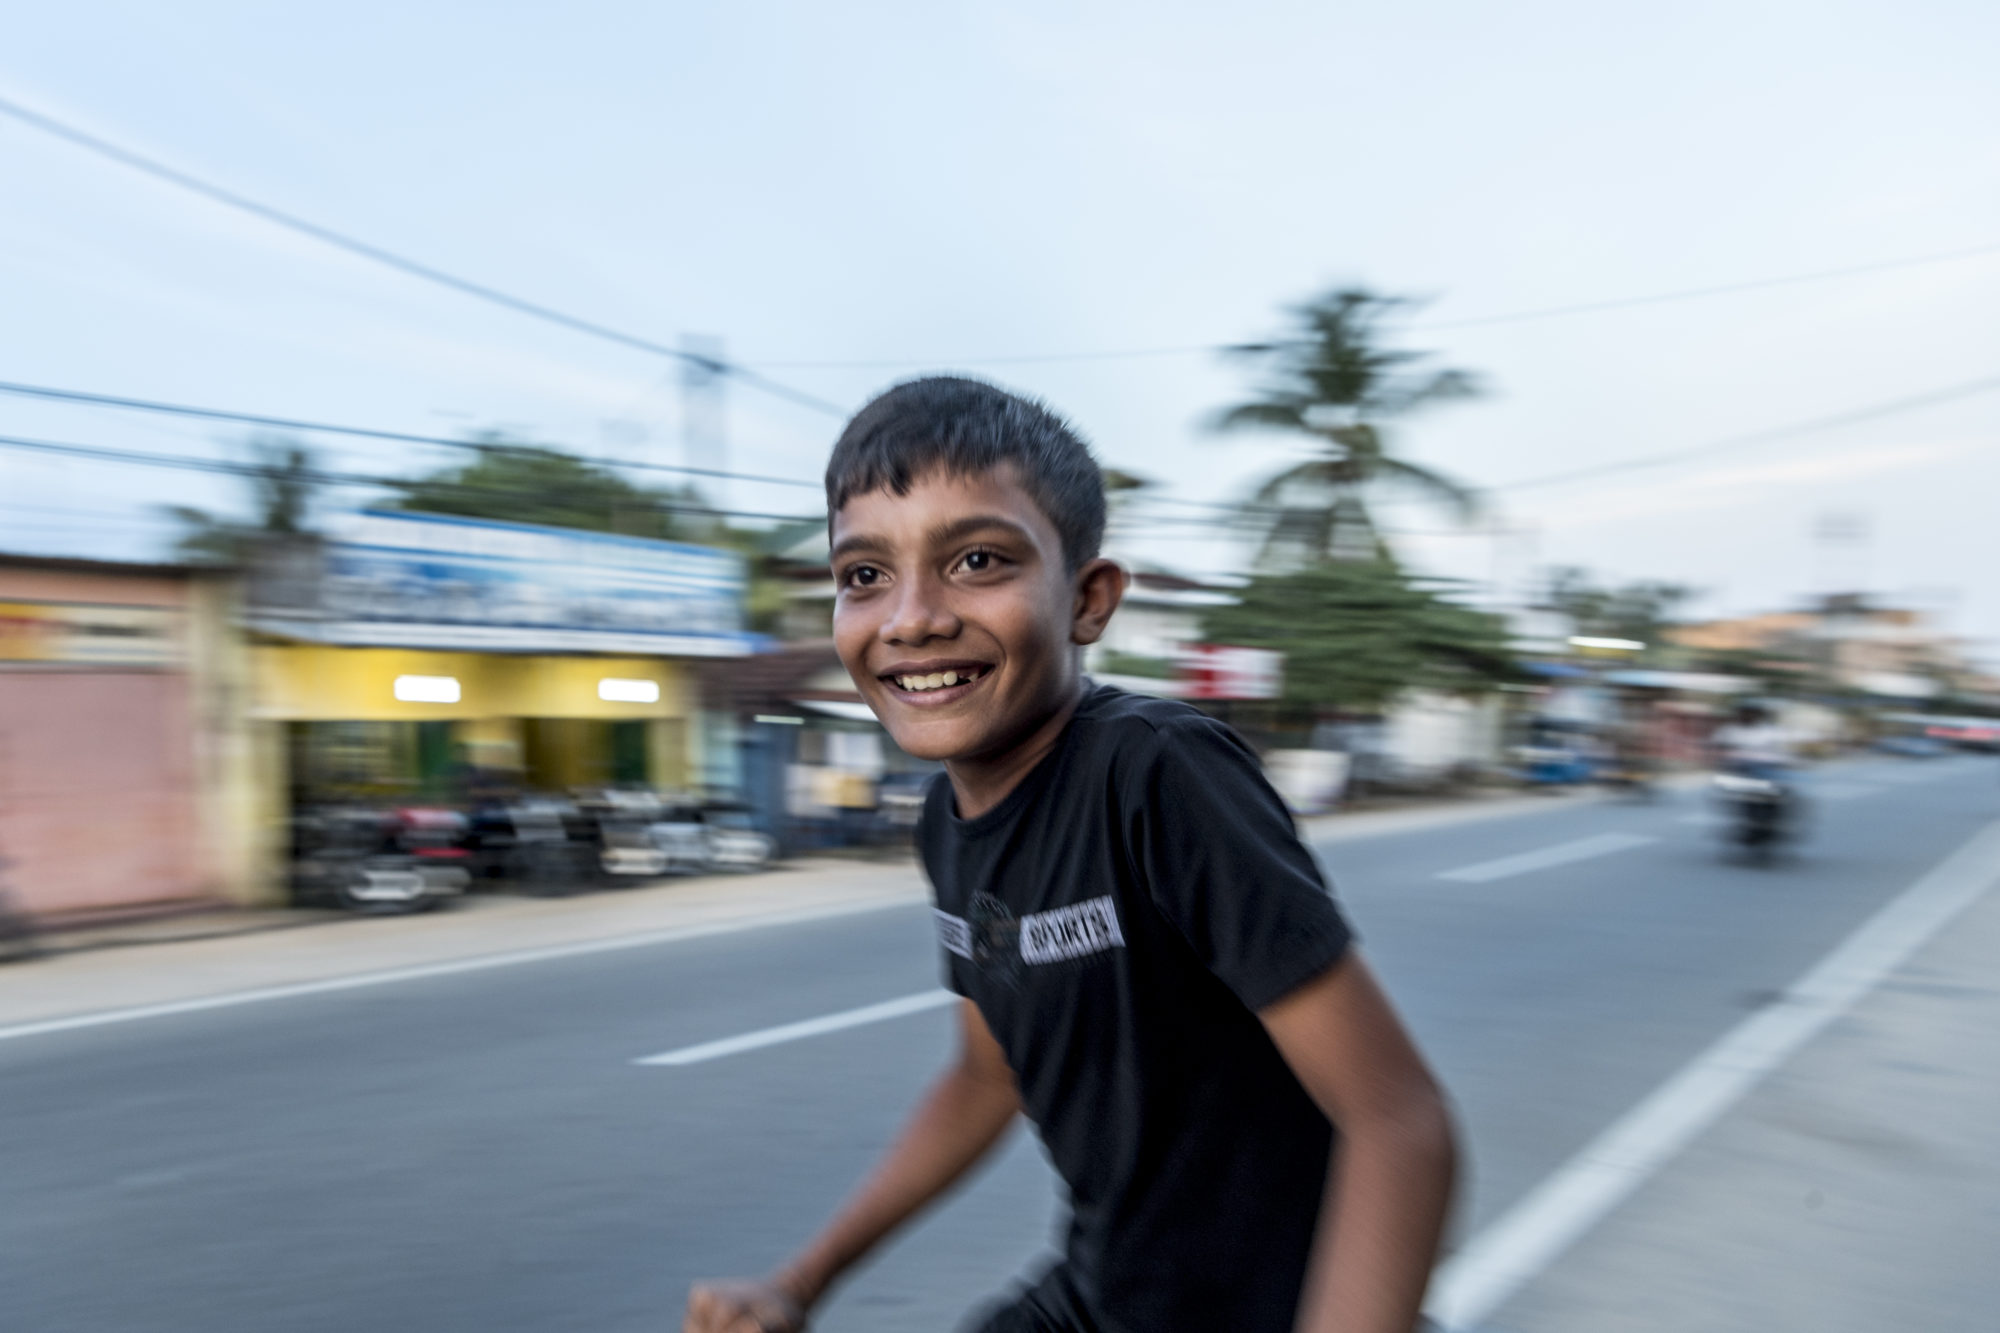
368 860
644 836
1762 813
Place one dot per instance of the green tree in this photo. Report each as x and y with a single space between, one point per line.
284 483
1335 383
1643 611
525 483
1358 633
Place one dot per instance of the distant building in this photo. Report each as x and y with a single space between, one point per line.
1891 653
1158 622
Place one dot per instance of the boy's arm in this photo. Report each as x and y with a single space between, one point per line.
1389 1184
962 1116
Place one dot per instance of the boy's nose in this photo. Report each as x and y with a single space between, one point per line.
921 613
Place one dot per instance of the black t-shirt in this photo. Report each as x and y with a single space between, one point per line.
1119 918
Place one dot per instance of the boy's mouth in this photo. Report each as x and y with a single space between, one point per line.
927 684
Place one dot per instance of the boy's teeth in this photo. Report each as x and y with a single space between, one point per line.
936 680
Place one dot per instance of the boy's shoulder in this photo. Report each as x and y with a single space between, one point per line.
1126 727
1108 706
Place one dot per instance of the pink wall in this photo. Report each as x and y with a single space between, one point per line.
97 776
97 789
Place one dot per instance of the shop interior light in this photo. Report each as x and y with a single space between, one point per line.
427 689
779 719
613 690
1621 645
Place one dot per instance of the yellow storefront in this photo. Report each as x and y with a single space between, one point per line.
415 657
558 722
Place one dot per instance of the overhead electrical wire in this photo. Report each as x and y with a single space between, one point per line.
327 477
1851 417
158 170
1221 513
1226 514
362 432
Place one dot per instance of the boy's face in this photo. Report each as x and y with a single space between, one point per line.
955 615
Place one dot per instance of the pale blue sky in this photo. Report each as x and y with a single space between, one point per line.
940 184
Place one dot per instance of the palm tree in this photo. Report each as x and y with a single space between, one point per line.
1334 382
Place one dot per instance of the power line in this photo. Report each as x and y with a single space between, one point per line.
325 477
1854 416
1224 514
359 432
1421 326
135 161
1699 293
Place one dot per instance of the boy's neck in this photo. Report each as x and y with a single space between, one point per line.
977 785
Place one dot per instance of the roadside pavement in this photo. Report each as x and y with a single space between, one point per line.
62 985
1855 1190
175 959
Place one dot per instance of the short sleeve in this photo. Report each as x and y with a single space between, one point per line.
1224 864
954 932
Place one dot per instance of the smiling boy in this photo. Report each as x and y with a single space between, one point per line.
1152 969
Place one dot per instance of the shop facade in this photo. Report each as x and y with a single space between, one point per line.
407 656
125 772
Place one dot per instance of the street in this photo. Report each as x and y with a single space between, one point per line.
484 1150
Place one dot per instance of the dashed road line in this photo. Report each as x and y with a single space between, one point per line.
810 1027
1563 853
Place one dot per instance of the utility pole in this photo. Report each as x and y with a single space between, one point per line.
704 436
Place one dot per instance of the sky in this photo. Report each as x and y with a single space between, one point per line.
846 195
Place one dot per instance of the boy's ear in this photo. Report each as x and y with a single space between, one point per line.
1100 586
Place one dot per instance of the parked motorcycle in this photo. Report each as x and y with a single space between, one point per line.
408 859
643 836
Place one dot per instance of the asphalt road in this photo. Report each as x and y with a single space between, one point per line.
482 1152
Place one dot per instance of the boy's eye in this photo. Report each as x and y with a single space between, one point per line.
978 562
863 576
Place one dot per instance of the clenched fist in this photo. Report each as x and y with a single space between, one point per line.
743 1307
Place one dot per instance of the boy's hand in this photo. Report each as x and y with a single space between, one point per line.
743 1307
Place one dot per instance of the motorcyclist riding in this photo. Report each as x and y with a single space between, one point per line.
1755 760
1754 745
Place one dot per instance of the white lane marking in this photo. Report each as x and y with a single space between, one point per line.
1582 849
811 1027
1515 1247
362 980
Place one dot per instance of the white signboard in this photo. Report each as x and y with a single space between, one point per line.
432 580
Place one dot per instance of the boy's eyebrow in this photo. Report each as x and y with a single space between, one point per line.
859 541
941 535
945 533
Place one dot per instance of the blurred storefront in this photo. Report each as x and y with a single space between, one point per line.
125 770
815 766
407 656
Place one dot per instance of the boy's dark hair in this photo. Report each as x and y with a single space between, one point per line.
966 426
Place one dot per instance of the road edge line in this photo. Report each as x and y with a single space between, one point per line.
446 968
1514 1248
